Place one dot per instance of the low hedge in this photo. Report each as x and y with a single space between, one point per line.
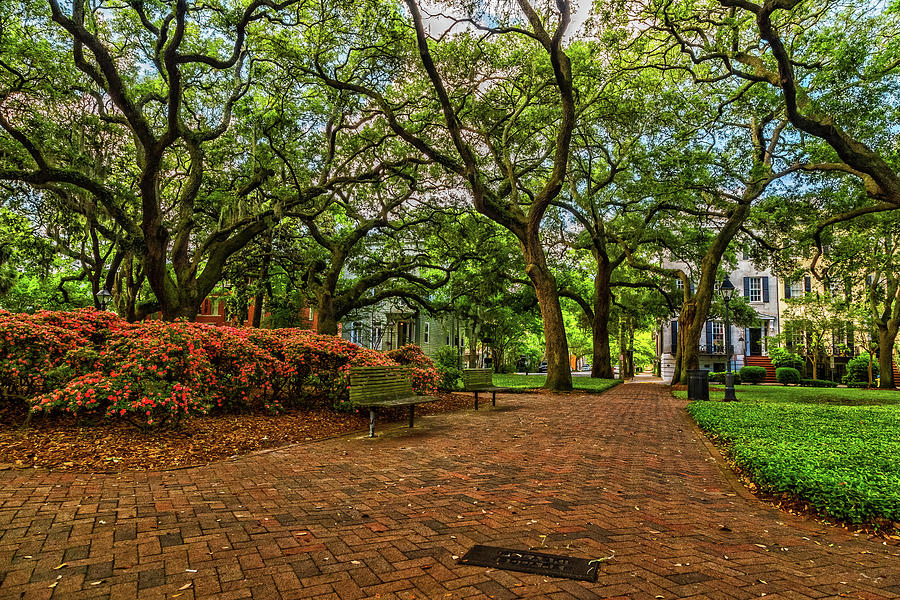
787 375
753 374
861 384
822 383
719 377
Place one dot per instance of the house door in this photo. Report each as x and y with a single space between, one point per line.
755 341
402 333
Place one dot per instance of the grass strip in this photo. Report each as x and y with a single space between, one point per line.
525 382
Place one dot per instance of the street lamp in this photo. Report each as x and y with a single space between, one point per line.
103 298
727 291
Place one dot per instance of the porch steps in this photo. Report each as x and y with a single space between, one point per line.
766 363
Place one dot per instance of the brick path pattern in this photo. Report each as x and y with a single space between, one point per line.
623 476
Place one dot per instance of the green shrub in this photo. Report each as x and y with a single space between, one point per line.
786 375
447 362
782 357
751 374
719 377
858 369
859 384
822 383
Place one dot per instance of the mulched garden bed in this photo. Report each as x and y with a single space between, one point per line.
67 444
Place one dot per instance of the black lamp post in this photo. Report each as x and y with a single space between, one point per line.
727 291
103 298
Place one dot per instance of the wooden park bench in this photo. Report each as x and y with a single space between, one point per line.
481 380
389 387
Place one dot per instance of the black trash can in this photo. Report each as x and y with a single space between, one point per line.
698 384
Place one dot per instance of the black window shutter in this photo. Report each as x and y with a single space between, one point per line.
787 288
765 282
709 336
747 287
807 284
674 336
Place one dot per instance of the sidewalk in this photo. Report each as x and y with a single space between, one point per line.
622 475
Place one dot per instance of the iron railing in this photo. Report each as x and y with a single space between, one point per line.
712 349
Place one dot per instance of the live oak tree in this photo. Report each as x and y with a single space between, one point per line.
491 296
809 323
865 253
159 85
386 255
493 109
627 128
834 64
350 254
23 251
695 228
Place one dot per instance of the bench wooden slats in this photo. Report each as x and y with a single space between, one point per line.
387 387
481 380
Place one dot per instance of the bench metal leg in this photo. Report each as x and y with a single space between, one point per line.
493 398
476 400
412 414
371 422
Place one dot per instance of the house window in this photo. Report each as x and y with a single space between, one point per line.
718 336
755 288
679 284
356 333
377 337
426 332
796 289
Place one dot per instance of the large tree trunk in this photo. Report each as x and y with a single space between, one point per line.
689 330
473 329
629 355
602 365
327 319
256 318
263 277
887 337
559 374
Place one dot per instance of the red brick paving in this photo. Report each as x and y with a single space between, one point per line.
624 475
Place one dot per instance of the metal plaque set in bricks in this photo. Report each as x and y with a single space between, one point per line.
526 561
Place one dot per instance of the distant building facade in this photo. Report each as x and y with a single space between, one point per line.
750 345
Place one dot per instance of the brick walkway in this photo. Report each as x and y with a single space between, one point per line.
622 475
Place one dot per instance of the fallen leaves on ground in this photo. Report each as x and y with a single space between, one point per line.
73 445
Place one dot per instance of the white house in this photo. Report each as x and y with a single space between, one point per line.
760 287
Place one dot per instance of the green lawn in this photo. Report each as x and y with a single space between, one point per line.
780 393
536 381
836 449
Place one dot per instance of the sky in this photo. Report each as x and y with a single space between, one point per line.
438 24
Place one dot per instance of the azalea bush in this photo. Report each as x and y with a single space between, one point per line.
425 377
89 363
39 350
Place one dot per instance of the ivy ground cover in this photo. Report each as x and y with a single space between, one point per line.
836 451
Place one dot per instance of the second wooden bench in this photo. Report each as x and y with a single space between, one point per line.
481 380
